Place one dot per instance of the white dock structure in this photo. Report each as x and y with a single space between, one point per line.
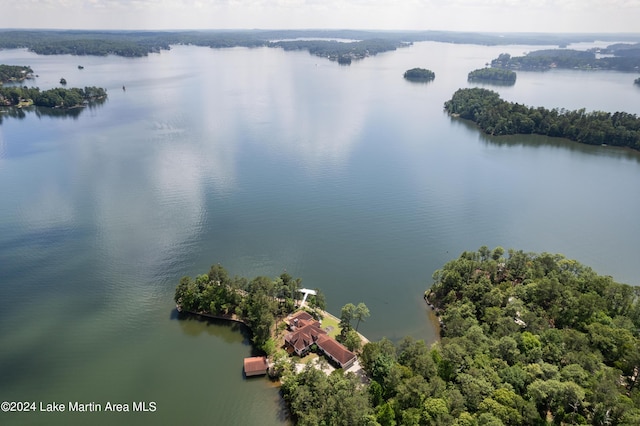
306 293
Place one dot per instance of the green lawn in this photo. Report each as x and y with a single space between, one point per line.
306 359
329 322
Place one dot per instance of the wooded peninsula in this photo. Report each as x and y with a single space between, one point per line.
258 303
52 98
527 339
498 117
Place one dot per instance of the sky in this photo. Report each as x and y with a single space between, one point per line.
610 16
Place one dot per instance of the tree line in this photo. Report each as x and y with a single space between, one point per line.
52 98
98 43
367 43
258 302
137 44
498 117
527 339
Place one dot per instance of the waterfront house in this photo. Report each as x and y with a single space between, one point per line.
305 331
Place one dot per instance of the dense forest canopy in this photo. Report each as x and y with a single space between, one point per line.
493 75
498 117
527 339
419 74
541 60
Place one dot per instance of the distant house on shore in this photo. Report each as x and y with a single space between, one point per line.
305 331
255 366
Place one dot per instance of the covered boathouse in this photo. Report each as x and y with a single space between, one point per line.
255 366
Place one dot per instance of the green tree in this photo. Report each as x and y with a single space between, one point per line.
361 313
352 341
186 296
385 415
218 275
346 316
318 300
416 355
436 411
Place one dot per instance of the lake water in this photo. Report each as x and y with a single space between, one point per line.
263 160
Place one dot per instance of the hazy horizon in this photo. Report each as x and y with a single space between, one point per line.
494 16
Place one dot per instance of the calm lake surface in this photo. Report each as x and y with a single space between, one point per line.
263 160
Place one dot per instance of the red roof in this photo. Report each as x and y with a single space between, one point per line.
335 350
302 316
255 365
306 331
304 337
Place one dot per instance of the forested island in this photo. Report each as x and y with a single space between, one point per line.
637 81
542 60
52 98
527 339
498 117
419 74
493 75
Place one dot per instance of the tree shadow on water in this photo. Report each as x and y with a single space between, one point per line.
63 113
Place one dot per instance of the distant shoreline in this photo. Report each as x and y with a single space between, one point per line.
137 43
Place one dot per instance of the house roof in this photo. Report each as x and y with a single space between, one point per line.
302 319
306 331
255 365
305 336
335 349
301 316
